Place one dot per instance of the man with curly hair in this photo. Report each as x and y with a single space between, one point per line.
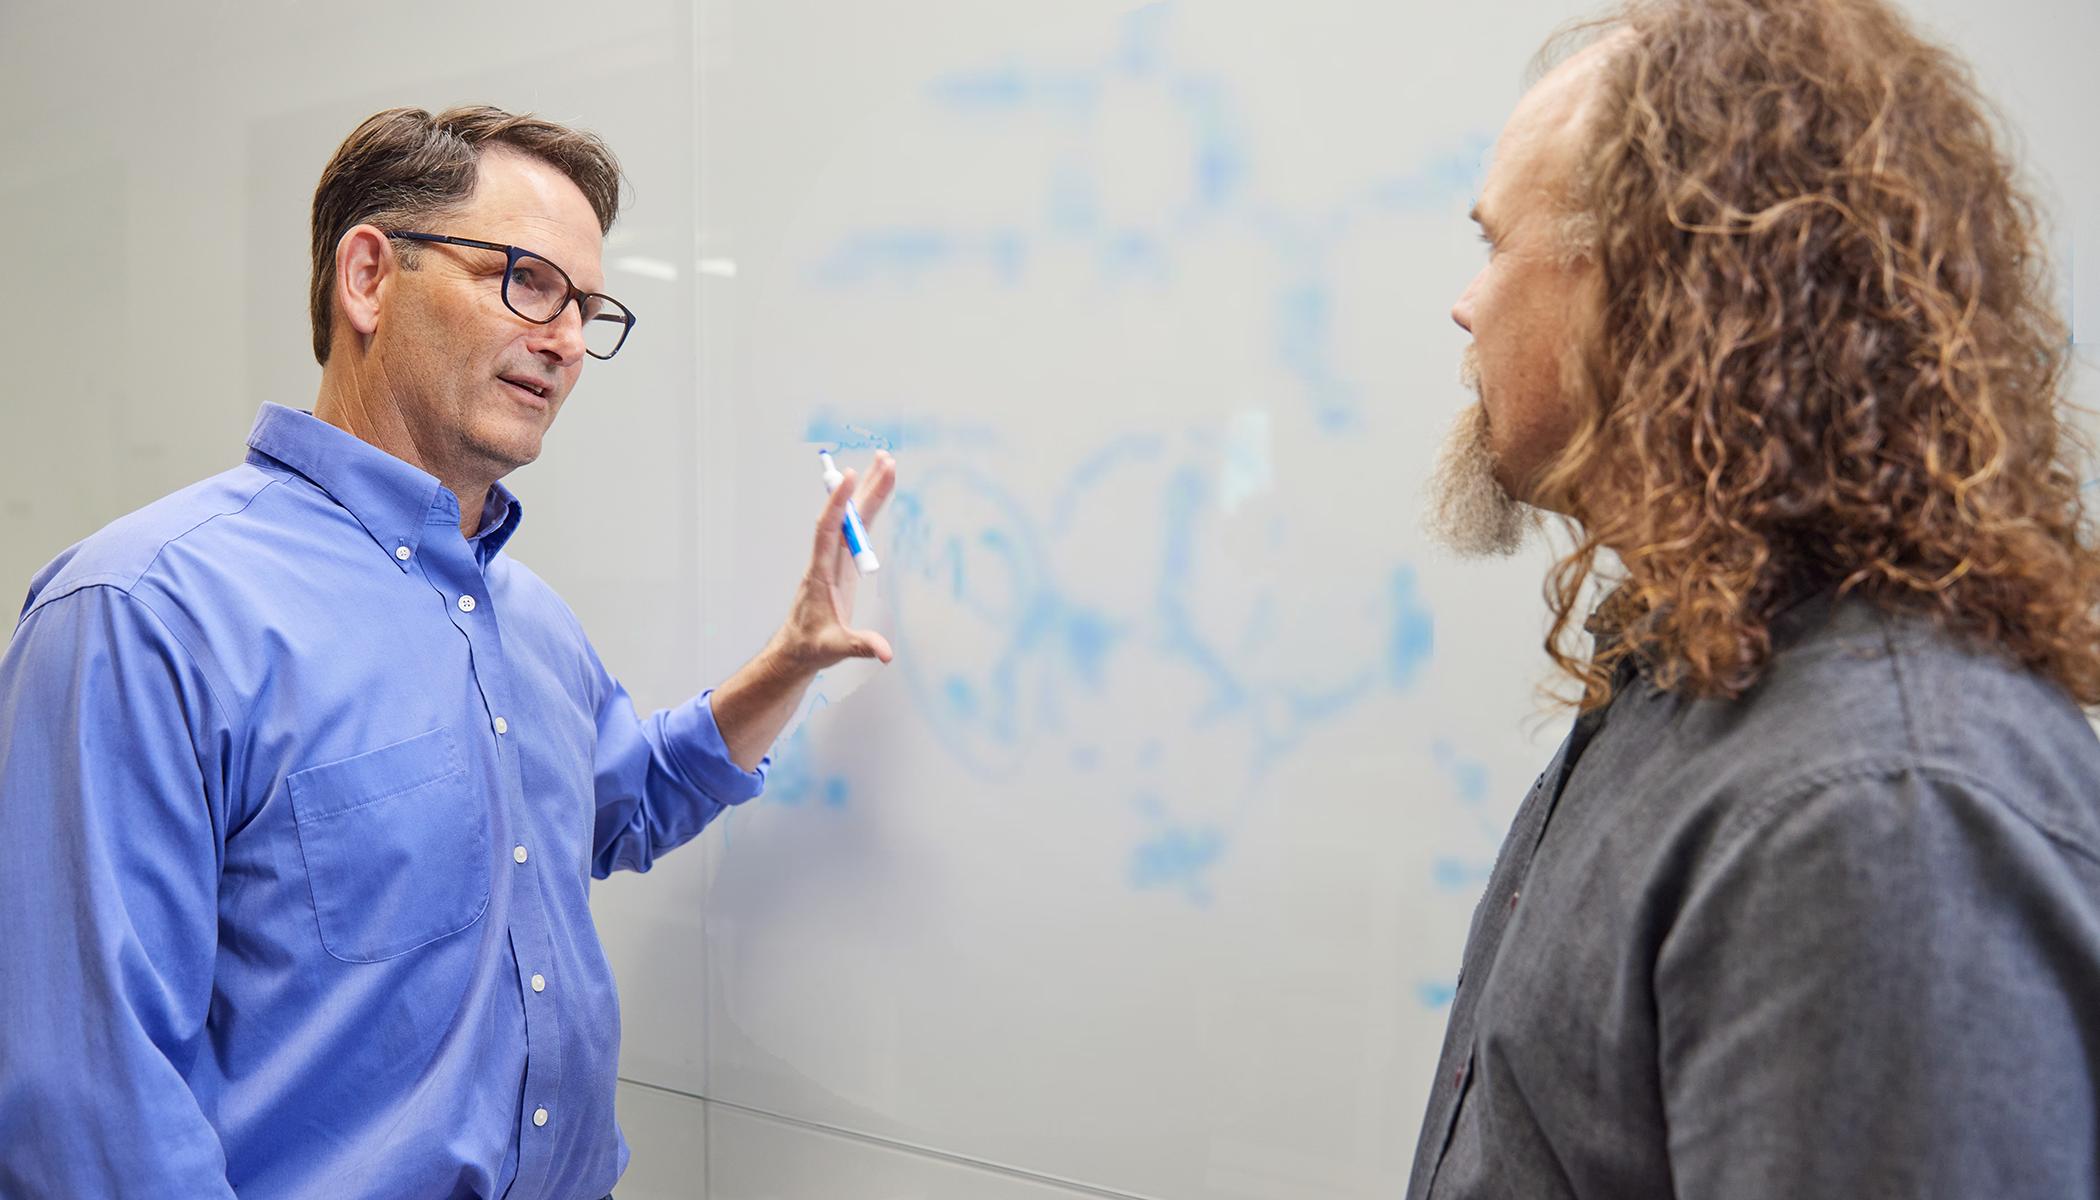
1809 902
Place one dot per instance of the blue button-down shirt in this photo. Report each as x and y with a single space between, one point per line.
301 795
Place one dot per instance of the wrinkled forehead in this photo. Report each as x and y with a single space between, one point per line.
528 202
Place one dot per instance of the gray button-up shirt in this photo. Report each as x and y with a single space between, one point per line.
1839 938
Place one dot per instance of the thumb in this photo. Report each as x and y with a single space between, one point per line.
869 644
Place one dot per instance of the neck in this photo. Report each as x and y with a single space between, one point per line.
363 406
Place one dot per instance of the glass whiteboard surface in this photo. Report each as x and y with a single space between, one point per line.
1144 870
1146 865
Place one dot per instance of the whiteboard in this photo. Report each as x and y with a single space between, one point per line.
1144 870
1146 865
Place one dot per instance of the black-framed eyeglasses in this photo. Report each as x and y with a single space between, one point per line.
537 290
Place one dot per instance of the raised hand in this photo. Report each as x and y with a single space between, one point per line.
819 629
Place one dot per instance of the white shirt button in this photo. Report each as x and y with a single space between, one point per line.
517 853
502 726
539 982
402 553
539 1116
466 604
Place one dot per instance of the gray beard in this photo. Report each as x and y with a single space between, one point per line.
1469 513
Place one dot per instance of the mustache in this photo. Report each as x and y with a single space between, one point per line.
1469 369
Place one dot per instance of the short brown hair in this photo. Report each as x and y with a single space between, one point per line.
403 165
1828 354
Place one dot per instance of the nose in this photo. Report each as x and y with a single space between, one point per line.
560 341
1462 309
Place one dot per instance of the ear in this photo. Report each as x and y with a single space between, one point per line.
364 261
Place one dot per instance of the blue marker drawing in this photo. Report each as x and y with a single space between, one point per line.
1414 631
797 778
1457 875
1220 189
1178 858
1007 642
895 434
999 654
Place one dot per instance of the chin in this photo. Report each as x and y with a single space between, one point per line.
511 445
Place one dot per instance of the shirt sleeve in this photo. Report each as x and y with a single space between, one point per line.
111 816
1886 986
659 780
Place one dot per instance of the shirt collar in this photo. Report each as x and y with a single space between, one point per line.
394 500
499 519
1802 607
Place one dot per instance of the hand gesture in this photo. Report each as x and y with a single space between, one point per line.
819 630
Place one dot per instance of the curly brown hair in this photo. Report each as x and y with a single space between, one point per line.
1825 354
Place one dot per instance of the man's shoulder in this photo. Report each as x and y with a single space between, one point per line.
1905 682
126 552
1872 695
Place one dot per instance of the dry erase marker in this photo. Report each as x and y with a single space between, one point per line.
856 533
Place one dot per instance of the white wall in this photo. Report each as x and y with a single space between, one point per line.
1142 872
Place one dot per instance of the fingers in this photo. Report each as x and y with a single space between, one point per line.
831 540
882 479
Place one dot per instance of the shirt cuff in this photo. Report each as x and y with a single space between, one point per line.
694 742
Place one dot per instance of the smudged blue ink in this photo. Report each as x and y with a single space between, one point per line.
1133 253
789 780
1435 994
1304 314
1008 252
1144 32
1184 504
1469 776
1089 639
1000 89
897 254
1304 323
836 791
826 428
962 698
1457 875
1337 413
1178 858
1313 706
1414 631
1220 161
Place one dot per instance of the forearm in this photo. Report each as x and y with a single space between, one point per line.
754 704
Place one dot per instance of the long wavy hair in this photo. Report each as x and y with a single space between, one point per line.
1824 355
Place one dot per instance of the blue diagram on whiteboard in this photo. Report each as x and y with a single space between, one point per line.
1217 198
1161 676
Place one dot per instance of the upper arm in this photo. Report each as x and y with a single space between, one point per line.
111 819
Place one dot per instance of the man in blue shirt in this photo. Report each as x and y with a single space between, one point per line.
303 781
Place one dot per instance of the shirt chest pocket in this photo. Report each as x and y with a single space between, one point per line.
396 846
